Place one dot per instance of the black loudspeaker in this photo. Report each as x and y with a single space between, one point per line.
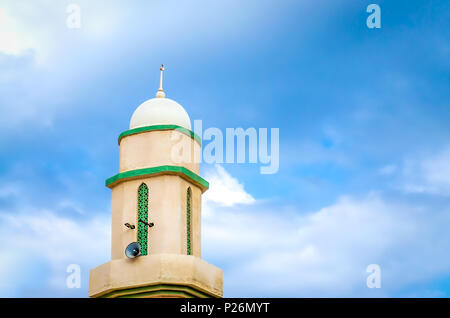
133 250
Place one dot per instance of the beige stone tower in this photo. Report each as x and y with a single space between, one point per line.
158 182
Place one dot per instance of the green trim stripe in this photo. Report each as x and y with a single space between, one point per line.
161 294
157 290
140 173
160 127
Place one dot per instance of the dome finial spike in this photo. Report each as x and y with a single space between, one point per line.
160 93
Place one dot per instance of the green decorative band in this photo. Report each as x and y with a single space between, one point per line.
142 232
188 220
145 172
159 290
160 127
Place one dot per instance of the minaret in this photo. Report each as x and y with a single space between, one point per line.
156 202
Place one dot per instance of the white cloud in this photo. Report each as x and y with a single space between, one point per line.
45 66
274 251
41 27
429 174
264 250
224 189
37 246
23 29
10 40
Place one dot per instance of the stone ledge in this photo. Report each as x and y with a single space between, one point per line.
162 271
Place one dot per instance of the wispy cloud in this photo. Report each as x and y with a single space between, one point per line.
426 173
37 246
326 252
224 189
388 169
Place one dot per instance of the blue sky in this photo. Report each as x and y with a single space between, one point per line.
363 115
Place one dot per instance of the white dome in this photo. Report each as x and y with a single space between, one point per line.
160 111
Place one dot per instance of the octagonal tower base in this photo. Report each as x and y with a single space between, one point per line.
158 275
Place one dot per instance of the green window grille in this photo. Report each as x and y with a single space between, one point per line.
142 234
188 220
